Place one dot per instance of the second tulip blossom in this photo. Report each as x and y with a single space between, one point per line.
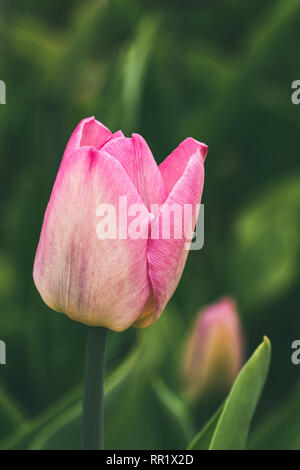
122 281
214 350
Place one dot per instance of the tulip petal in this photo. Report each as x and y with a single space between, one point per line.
167 256
136 158
115 135
96 282
174 165
89 132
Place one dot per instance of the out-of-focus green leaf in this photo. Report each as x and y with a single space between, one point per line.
61 433
86 23
134 67
21 437
10 414
202 440
125 89
270 31
31 40
233 425
176 408
265 249
259 51
7 276
281 429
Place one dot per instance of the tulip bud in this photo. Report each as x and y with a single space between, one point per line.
214 350
117 278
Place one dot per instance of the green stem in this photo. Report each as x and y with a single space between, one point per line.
93 389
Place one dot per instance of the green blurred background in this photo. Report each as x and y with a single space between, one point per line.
220 71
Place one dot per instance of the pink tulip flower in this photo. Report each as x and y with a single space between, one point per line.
121 281
214 350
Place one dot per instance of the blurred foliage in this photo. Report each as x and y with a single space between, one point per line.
220 71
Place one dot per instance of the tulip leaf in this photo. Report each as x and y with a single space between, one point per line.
202 440
233 426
